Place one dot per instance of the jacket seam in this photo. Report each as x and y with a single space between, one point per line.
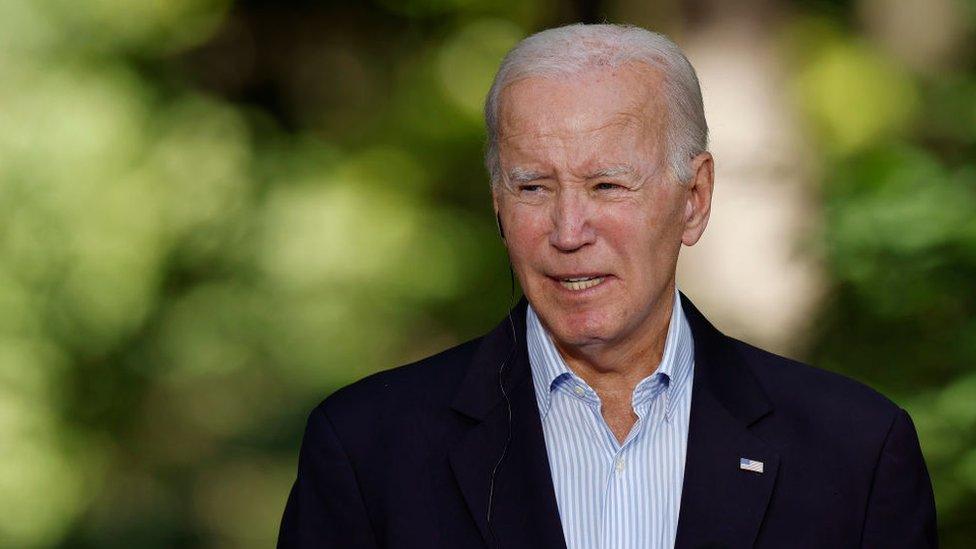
355 474
874 472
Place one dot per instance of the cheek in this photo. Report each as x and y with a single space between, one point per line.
626 225
525 228
640 237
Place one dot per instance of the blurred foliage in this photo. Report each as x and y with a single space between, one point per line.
898 185
188 270
212 214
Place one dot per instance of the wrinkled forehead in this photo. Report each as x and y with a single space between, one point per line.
623 103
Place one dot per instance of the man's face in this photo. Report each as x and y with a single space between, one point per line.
593 221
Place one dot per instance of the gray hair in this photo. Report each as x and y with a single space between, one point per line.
574 48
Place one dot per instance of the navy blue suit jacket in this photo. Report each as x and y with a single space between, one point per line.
403 458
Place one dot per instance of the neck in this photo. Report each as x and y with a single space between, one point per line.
613 369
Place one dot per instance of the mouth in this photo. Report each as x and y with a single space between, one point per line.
580 283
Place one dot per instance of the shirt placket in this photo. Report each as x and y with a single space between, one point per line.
622 477
585 396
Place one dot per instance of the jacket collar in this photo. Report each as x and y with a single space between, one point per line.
723 505
726 400
721 370
480 393
506 438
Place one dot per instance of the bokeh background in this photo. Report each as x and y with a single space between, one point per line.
214 213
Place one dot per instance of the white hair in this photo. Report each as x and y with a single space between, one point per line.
574 48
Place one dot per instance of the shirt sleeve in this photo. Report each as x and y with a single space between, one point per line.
325 507
901 507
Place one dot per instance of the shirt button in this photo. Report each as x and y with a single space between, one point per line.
619 466
579 390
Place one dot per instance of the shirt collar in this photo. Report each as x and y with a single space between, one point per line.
549 369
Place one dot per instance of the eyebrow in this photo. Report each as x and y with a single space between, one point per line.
611 171
522 175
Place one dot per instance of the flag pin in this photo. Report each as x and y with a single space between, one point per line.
750 465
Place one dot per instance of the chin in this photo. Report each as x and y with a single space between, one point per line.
580 328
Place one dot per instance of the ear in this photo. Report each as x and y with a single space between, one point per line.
698 198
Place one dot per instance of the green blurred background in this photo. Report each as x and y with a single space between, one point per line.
214 213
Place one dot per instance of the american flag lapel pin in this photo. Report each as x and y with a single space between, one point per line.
750 465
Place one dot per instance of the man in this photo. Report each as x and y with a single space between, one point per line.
605 411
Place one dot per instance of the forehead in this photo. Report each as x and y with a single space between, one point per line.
624 105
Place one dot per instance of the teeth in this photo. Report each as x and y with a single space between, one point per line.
580 283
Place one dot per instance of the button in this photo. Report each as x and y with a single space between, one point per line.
579 390
621 463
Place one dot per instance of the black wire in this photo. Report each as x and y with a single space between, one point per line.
508 405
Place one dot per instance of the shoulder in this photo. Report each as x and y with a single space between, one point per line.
814 398
429 382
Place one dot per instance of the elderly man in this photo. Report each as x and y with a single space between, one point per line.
605 411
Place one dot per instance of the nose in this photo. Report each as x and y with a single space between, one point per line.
571 228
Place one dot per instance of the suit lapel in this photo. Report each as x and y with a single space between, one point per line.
723 505
524 511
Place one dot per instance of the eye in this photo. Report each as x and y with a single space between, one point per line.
529 188
607 186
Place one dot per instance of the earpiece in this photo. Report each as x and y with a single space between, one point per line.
501 230
508 403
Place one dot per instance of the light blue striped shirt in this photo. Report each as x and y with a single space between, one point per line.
612 495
